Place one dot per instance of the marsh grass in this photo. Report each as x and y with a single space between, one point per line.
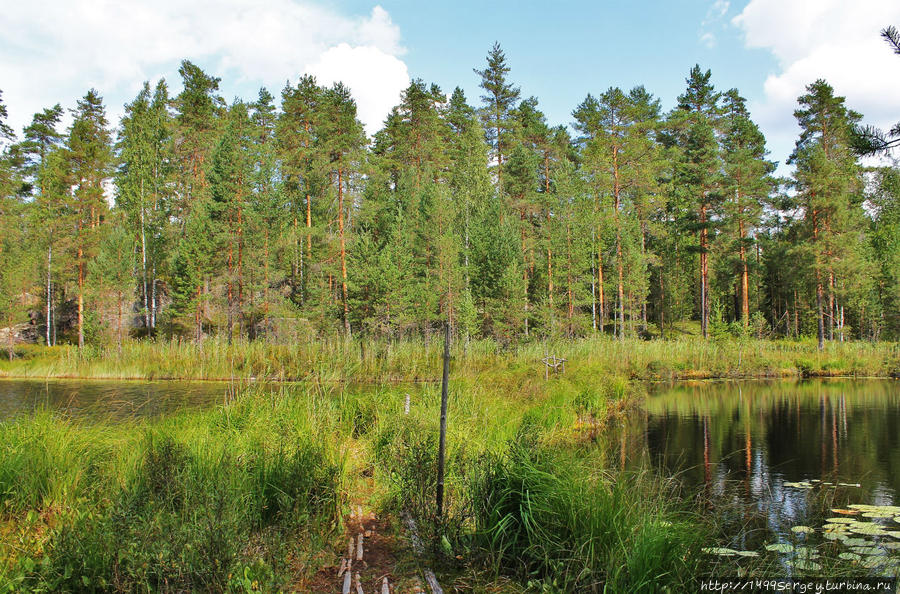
249 493
186 503
363 360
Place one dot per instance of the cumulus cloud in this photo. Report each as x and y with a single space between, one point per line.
374 77
831 39
55 50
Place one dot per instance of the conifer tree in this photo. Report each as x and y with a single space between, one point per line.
748 183
697 172
342 140
89 152
829 188
499 100
42 137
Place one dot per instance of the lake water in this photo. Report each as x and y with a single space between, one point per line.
769 456
106 398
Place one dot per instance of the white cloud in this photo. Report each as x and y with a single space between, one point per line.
831 39
714 14
375 78
55 50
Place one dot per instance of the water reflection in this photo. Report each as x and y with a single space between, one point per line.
106 399
743 446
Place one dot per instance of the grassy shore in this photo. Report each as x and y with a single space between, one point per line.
378 362
252 495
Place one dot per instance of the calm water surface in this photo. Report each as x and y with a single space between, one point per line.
738 446
106 399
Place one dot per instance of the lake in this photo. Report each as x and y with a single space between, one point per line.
771 456
110 399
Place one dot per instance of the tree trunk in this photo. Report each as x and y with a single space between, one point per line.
600 281
619 265
119 322
704 296
343 251
266 283
745 278
820 320
831 308
49 286
240 267
80 298
144 262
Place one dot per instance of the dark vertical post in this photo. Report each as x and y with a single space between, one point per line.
442 444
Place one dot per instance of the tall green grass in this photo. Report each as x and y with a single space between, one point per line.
200 501
345 360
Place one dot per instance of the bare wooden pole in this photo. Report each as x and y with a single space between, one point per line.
442 443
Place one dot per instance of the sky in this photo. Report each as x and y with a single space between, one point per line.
55 50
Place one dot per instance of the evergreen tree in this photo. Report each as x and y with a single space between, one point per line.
829 189
89 152
697 171
42 137
748 183
342 141
499 101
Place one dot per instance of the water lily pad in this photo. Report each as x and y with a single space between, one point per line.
720 551
803 565
780 548
892 533
841 520
845 512
806 553
802 529
874 562
869 530
849 485
878 514
798 485
849 557
747 553
857 542
891 546
870 550
836 535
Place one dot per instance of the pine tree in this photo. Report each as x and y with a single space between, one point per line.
89 152
303 168
747 186
829 187
269 205
342 141
230 183
697 174
42 137
499 101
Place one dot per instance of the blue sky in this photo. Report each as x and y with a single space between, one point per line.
769 49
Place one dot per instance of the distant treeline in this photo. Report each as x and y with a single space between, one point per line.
281 218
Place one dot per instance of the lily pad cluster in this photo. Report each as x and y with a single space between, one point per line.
869 536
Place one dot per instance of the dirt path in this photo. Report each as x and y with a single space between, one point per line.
384 556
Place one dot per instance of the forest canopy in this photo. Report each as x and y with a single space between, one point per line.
278 218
